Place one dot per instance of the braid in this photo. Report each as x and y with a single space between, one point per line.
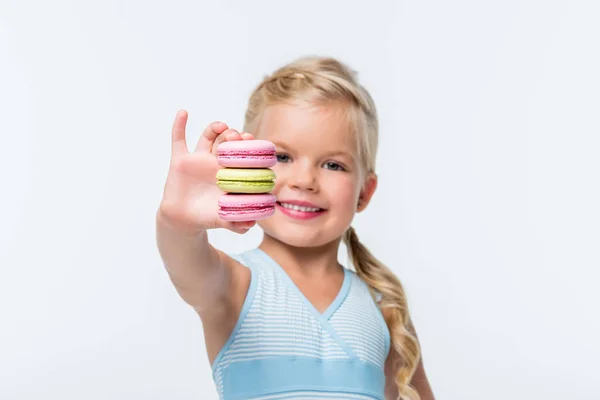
321 81
380 279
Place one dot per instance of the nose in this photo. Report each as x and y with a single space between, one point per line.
303 177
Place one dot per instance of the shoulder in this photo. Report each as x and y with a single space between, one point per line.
239 275
218 321
237 258
375 294
240 267
244 262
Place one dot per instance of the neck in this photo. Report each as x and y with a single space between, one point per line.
308 261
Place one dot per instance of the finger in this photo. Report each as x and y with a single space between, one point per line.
247 136
243 227
178 144
229 134
240 227
210 134
244 224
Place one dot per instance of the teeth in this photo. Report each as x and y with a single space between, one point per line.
299 208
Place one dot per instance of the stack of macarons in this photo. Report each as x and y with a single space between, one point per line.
246 179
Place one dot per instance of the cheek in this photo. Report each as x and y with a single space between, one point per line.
342 190
339 188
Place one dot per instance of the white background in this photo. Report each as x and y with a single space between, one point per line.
487 207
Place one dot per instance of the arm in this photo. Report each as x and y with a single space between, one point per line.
194 266
201 274
419 380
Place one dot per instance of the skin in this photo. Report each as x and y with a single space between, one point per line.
329 175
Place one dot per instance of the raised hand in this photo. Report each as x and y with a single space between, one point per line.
190 196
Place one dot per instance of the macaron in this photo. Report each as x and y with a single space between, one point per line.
246 207
246 180
253 153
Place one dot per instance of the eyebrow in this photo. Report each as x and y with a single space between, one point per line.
340 153
277 144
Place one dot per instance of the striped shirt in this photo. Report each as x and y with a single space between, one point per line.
282 347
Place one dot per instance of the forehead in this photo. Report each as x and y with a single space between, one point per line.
308 127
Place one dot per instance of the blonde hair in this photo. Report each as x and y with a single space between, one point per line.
324 80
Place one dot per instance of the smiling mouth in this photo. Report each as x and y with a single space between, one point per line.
299 208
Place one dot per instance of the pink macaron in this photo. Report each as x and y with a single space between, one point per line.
252 153
246 207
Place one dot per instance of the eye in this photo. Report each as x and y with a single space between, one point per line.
283 158
334 166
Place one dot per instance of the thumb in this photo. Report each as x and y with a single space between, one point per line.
240 227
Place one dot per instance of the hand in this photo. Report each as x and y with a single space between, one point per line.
190 198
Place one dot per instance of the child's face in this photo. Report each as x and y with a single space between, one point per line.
319 168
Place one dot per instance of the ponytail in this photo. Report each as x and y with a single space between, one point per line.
380 279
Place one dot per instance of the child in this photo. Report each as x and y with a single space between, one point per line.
286 320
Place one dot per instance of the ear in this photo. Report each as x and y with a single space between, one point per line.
367 192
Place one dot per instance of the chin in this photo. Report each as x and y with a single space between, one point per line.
299 238
300 235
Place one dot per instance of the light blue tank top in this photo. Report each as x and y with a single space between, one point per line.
282 347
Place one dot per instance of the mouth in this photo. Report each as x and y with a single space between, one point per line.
297 207
300 210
